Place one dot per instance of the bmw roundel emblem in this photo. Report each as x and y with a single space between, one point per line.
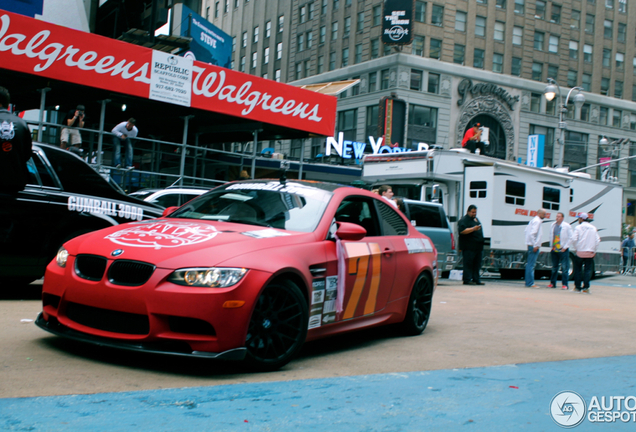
117 252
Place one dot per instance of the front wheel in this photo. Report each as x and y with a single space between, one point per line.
419 308
278 326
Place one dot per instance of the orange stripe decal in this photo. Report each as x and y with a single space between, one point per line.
376 266
358 254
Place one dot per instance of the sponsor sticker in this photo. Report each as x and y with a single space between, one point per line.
163 234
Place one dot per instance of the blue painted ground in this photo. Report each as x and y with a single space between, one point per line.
503 398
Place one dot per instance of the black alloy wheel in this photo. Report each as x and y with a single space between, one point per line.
278 326
419 307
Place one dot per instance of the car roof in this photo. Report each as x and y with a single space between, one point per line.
329 187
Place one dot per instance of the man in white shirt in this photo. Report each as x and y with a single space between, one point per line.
122 133
560 234
585 240
386 192
533 242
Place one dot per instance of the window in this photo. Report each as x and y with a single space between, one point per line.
268 29
609 4
234 44
254 59
299 71
244 40
375 48
347 27
360 22
575 152
572 78
426 216
459 54
437 16
384 79
621 34
501 4
520 6
336 4
347 121
377 13
620 61
266 55
574 50
478 59
556 14
358 57
422 116
497 63
433 83
480 26
310 15
589 23
587 53
515 193
309 37
323 34
605 82
537 71
226 6
539 11
622 6
236 4
553 44
323 7
617 115
303 14
535 102
477 189
281 23
420 11
618 89
586 82
345 57
500 31
575 20
332 61
242 64
553 72
607 54
300 42
417 48
320 68
517 35
416 79
386 49
279 51
373 81
585 112
551 198
216 10
334 31
634 64
603 115
608 29
539 38
548 148
515 67
460 21
436 49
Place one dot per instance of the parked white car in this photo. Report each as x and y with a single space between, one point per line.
171 196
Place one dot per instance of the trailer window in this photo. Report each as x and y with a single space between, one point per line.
478 189
571 195
515 192
551 198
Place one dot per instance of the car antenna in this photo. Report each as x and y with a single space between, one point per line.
284 166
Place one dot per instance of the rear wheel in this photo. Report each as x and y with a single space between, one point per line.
278 326
419 308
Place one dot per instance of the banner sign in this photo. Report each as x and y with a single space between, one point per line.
209 43
536 144
397 23
40 48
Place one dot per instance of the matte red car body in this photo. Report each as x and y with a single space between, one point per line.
293 256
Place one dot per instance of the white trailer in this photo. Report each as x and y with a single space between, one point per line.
507 196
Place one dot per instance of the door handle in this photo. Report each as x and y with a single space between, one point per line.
388 252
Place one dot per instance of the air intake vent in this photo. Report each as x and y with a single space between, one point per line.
90 267
130 273
108 320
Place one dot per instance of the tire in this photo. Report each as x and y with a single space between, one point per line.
418 309
278 327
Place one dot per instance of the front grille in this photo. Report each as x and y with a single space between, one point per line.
108 320
131 273
90 267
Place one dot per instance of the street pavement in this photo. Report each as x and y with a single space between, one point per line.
521 396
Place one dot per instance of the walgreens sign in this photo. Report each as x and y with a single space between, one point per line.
36 47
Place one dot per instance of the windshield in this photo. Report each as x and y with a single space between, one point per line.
290 206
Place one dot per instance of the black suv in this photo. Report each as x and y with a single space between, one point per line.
65 197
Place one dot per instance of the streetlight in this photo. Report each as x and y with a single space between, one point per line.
550 92
614 149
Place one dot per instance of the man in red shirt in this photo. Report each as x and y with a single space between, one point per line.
472 139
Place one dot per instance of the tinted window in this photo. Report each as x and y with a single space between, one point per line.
77 176
478 189
515 192
551 198
425 216
360 211
390 221
44 173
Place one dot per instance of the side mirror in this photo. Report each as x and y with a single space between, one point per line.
350 231
169 210
435 193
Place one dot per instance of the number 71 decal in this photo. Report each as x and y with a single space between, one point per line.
358 256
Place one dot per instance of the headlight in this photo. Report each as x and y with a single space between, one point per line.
61 257
214 277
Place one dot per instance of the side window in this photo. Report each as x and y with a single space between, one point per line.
423 216
478 189
168 200
46 178
358 210
390 220
515 192
34 179
551 198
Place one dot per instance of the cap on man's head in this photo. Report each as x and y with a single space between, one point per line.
477 125
582 216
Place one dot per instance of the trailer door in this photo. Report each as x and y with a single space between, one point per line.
479 191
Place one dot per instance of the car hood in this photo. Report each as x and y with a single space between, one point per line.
177 243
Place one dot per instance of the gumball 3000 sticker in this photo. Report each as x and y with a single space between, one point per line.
163 234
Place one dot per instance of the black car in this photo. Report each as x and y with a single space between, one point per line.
65 198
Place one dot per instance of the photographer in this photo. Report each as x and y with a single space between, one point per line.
75 119
472 139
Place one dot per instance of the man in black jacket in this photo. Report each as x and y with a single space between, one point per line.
15 148
471 244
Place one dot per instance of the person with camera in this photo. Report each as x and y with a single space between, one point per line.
472 139
71 138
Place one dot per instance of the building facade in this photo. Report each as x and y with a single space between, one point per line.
485 61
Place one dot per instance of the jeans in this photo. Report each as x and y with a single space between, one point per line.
578 272
530 263
117 142
472 265
563 259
